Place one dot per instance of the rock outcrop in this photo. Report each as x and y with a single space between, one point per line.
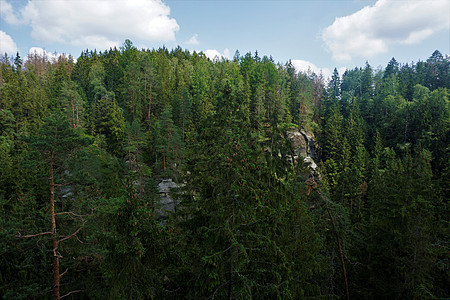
302 146
167 203
298 142
303 150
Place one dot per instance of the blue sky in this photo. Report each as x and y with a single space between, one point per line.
319 35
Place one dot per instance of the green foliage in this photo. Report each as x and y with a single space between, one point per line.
391 194
402 218
245 225
107 120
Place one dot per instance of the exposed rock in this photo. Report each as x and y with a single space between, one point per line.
298 142
311 148
167 203
303 146
311 163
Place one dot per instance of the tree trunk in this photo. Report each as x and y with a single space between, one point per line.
230 280
149 97
341 255
55 241
73 111
164 162
77 113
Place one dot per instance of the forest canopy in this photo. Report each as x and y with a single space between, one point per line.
84 145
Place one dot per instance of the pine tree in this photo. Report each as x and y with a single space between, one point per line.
72 104
334 86
401 222
57 141
235 202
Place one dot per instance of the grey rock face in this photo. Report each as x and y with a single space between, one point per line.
303 146
310 146
299 143
312 164
167 203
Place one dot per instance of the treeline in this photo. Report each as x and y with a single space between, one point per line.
83 145
384 139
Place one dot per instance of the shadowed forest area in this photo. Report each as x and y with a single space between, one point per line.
84 144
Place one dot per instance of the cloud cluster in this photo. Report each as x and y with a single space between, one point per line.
306 66
7 44
42 53
372 29
193 40
99 24
214 54
7 13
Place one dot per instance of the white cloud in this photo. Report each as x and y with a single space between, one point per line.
7 44
100 23
7 13
341 70
226 53
373 29
193 40
214 54
41 52
305 66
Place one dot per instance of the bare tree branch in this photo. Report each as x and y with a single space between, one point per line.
70 213
79 240
63 273
73 234
72 292
56 254
33 235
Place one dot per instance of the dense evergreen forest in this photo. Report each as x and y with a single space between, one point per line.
83 146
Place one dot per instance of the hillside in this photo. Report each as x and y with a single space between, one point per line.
84 145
